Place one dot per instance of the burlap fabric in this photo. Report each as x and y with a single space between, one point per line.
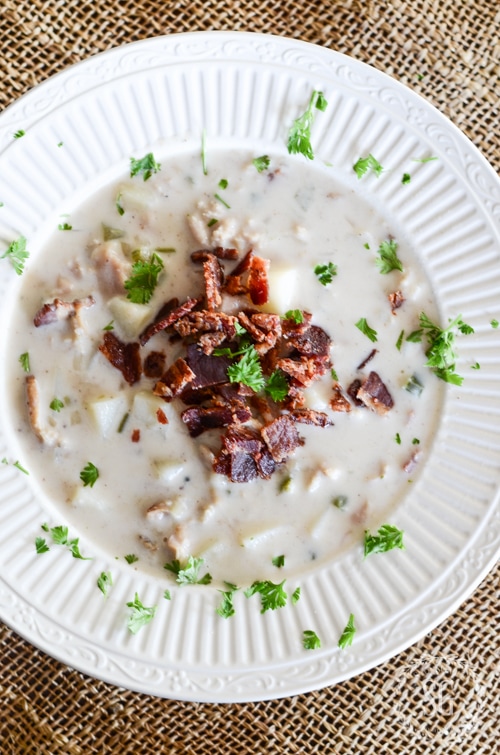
441 695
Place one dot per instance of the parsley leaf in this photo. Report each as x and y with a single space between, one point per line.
144 166
223 183
296 315
310 640
167 595
399 342
131 558
325 273
363 326
18 134
226 608
17 253
144 279
367 163
279 561
41 545
397 438
261 163
248 370
18 465
347 635
140 616
56 404
299 135
24 361
189 574
75 550
222 201
388 259
440 353
110 325
89 474
119 206
104 582
277 386
424 159
65 227
296 595
406 179
494 324
387 538
272 596
340 501
59 535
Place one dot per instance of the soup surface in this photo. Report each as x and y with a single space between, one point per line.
139 455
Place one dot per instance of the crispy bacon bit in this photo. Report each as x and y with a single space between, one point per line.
292 329
124 356
313 341
197 323
368 359
374 394
396 300
264 328
339 403
161 417
352 391
58 310
135 436
208 370
281 438
172 315
214 278
154 364
201 418
311 417
305 369
220 252
234 281
175 379
258 286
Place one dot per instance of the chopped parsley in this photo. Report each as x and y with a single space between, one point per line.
363 326
296 315
105 582
18 134
144 166
18 465
226 608
212 222
279 561
340 501
387 538
424 159
131 558
347 636
261 163
17 253
475 366
222 201
41 545
60 536
248 370
272 596
277 386
89 474
56 404
65 227
110 325
399 342
388 259
189 574
441 357
296 595
24 361
494 324
109 233
415 441
333 373
140 616
144 279
325 273
299 135
310 640
167 595
397 438
204 152
364 164
223 183
406 179
119 206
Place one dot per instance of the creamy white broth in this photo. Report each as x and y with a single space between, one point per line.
297 216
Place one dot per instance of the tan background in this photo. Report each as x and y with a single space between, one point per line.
441 695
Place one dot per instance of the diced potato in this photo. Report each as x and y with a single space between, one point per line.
282 289
107 413
135 196
131 318
86 497
145 407
167 469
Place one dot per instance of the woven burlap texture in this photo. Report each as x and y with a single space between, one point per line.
440 696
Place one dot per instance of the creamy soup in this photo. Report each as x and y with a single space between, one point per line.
159 493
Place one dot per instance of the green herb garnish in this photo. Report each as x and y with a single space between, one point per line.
144 279
310 640
65 227
17 253
41 545
387 538
222 201
363 326
189 574
325 273
277 386
248 370
347 635
279 561
272 596
24 361
367 163
296 595
494 324
105 582
56 405
388 259
299 136
204 151
406 179
223 183
261 163
226 608
296 315
144 166
440 352
399 342
18 134
89 475
18 465
140 616
131 558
